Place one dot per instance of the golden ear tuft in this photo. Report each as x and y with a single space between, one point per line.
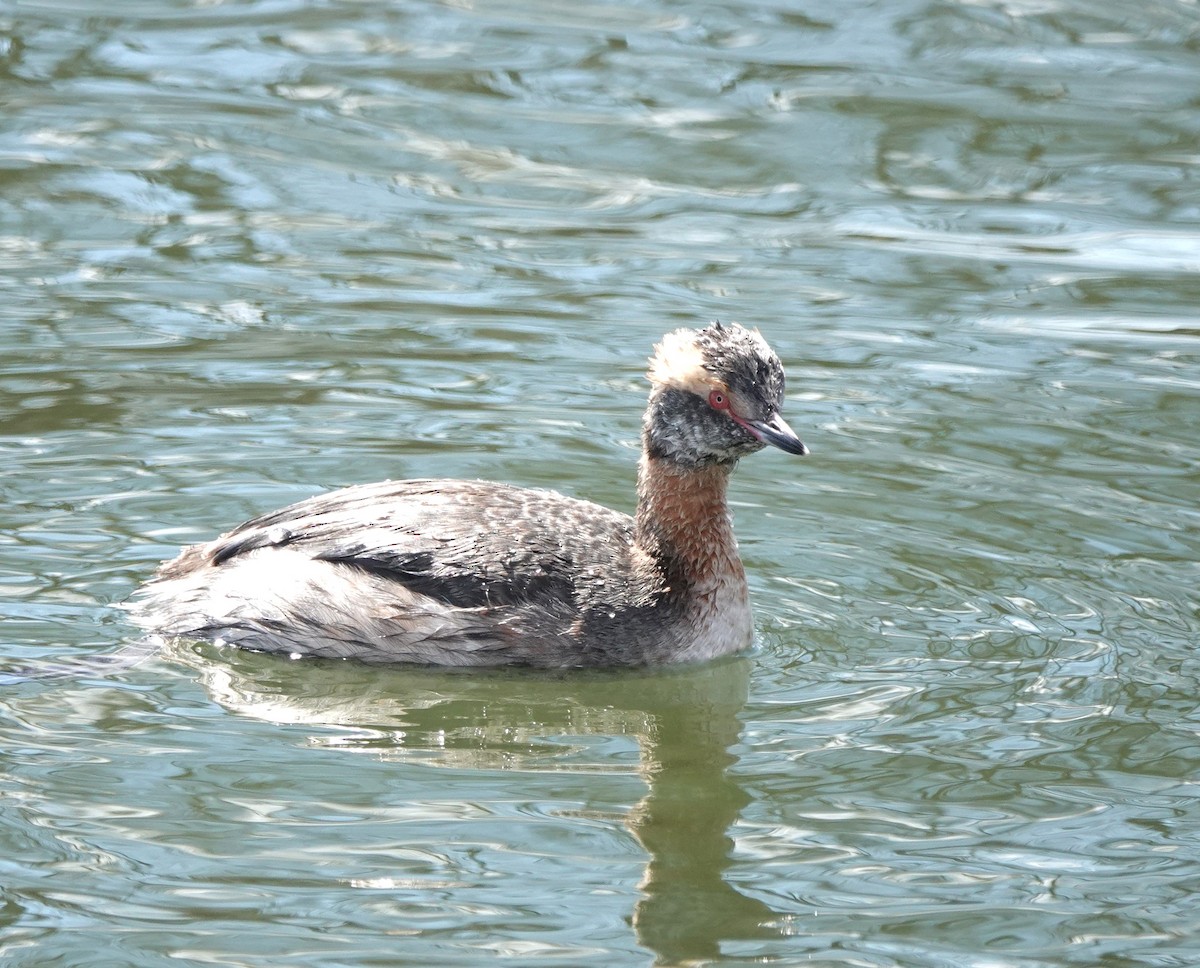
679 362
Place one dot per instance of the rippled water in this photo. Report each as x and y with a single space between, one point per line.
255 250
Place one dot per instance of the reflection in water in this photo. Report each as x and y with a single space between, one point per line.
688 907
685 722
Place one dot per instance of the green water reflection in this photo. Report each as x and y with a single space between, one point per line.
685 724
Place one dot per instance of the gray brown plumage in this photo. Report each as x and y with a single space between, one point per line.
476 573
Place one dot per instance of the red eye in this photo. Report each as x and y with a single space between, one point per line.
718 401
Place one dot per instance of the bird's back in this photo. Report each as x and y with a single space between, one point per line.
457 572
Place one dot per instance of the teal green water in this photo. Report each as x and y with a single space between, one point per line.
250 251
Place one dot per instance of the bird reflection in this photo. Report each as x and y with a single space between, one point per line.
685 721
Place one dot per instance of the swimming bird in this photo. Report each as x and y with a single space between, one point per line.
472 573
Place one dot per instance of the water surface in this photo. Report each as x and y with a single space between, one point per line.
252 251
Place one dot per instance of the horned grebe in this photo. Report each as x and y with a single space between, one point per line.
470 573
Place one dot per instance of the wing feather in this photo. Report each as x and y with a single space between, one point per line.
464 543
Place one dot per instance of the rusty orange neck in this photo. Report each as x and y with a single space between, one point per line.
682 514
